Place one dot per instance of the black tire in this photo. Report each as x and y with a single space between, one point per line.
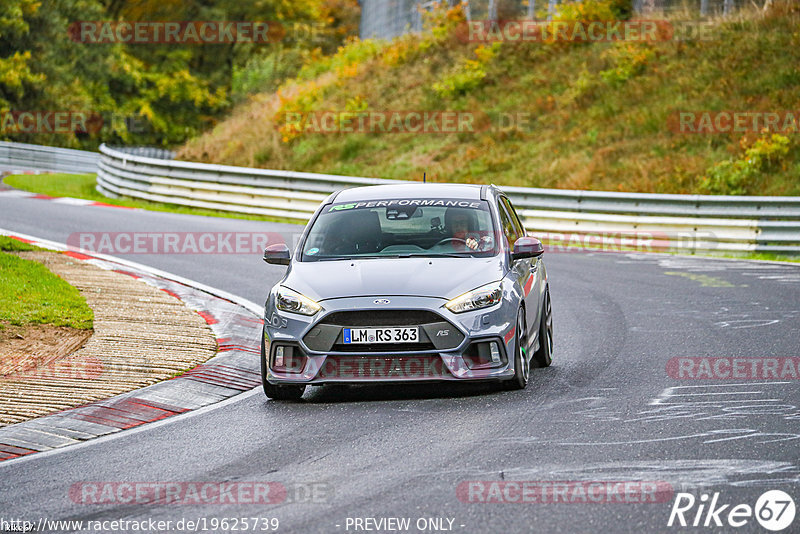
288 393
521 364
544 355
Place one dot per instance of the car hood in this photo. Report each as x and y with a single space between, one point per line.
444 278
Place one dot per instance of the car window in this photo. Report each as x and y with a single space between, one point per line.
519 229
401 227
509 230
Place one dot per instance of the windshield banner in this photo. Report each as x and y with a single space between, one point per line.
410 202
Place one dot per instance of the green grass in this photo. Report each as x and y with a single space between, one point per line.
764 256
31 294
83 186
15 245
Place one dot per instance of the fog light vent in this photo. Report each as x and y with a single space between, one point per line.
288 359
483 354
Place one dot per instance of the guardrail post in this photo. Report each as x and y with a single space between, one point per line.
727 7
551 8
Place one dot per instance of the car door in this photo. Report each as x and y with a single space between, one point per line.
526 270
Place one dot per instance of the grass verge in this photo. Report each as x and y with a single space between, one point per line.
83 186
9 244
763 256
31 294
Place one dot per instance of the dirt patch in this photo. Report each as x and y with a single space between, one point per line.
142 335
34 348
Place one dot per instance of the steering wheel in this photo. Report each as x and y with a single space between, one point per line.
449 239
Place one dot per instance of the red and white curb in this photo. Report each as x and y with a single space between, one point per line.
17 193
236 324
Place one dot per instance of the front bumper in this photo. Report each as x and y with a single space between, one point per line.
453 347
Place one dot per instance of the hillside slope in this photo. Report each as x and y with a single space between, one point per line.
599 115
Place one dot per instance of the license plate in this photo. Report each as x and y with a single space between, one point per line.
381 335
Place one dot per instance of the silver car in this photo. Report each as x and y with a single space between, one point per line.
407 283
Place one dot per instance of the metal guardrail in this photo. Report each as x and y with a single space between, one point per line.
589 219
22 157
146 151
293 195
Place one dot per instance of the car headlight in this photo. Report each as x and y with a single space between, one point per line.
291 301
482 297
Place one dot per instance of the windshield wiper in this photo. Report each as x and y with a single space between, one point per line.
446 254
373 257
418 255
396 256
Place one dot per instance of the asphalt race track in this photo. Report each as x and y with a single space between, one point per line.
607 409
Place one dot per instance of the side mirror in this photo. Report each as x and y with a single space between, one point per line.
278 254
527 247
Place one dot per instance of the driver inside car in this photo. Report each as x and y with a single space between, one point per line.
461 227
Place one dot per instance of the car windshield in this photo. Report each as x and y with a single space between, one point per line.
402 228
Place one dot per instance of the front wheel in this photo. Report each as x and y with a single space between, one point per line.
521 363
544 356
288 393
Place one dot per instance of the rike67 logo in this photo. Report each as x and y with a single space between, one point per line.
774 510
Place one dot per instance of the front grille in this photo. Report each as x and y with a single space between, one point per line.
380 318
435 333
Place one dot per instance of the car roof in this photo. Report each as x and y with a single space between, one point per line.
409 190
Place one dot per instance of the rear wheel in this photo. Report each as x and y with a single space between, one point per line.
273 391
521 363
544 356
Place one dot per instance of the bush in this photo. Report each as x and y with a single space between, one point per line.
467 75
627 60
267 72
352 54
594 10
739 177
